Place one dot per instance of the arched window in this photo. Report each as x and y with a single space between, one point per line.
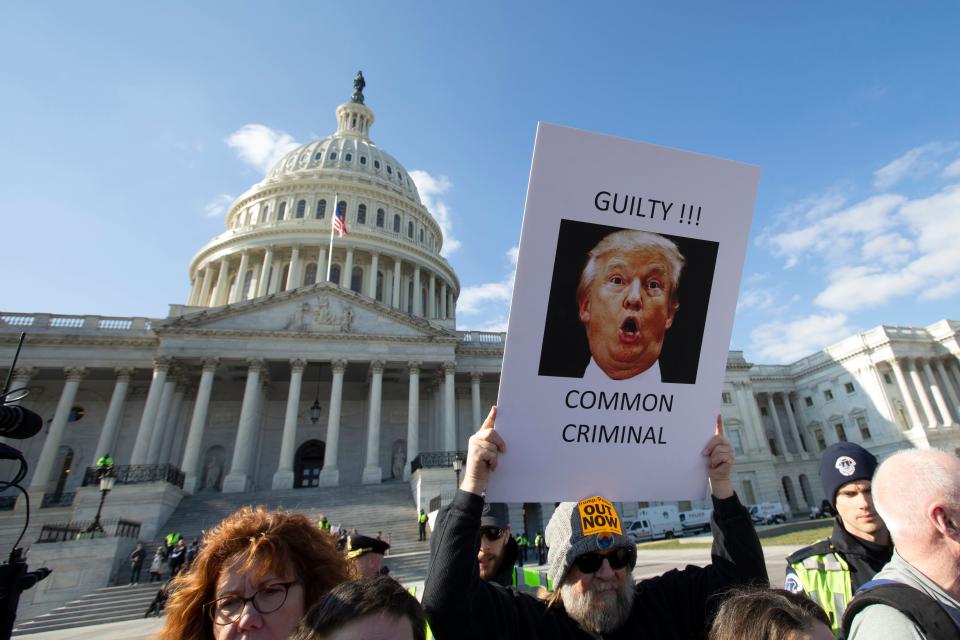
410 297
283 277
363 159
247 280
335 274
376 164
356 279
321 209
421 236
362 214
281 211
396 223
380 217
264 212
379 292
410 229
301 208
310 274
347 157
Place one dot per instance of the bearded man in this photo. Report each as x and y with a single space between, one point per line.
590 564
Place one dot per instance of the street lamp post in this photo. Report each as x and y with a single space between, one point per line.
457 466
316 409
106 484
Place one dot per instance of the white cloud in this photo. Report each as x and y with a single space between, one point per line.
485 298
431 191
218 206
260 146
784 342
755 299
952 170
919 161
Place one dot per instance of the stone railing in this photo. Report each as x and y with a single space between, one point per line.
53 500
138 473
79 530
482 337
436 459
49 321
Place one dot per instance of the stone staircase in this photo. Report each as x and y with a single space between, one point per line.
387 508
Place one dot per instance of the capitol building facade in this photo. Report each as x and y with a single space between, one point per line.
275 375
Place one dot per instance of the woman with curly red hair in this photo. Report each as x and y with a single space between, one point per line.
256 575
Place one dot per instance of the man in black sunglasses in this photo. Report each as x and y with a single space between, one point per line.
589 564
498 549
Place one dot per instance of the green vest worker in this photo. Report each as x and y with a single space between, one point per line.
830 571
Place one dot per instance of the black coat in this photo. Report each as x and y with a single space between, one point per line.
677 604
865 559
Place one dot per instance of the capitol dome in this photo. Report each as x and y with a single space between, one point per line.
278 235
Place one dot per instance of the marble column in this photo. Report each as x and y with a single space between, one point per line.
937 395
753 406
264 278
145 431
372 473
160 423
477 412
238 479
413 416
432 298
111 423
204 298
172 424
223 283
330 474
346 278
794 427
275 274
948 386
293 273
283 478
443 300
777 431
749 427
905 394
396 282
198 423
51 444
321 265
449 414
922 393
372 280
236 295
417 297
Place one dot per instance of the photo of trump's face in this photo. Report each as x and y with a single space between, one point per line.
627 300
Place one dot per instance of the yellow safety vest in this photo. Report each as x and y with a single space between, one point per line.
825 579
530 580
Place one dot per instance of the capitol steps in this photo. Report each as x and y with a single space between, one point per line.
109 604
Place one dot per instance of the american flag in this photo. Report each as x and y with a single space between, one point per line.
340 220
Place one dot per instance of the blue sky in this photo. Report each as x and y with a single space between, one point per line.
124 128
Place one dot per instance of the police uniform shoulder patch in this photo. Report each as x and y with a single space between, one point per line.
792 583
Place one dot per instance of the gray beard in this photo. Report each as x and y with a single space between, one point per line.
588 613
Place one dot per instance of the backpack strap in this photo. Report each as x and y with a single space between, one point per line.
925 612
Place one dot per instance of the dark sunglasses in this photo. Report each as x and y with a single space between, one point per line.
590 562
492 533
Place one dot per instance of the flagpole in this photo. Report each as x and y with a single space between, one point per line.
336 205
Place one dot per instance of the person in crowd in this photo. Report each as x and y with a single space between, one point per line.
830 571
323 523
159 601
192 551
178 556
104 465
156 564
589 562
770 614
422 525
541 547
522 546
256 574
171 540
370 608
367 555
916 596
498 549
136 563
628 296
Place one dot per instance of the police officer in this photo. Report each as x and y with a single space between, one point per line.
422 523
367 555
831 571
104 466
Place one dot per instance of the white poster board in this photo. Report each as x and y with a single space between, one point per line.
611 380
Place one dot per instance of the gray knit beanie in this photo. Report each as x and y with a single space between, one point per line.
577 528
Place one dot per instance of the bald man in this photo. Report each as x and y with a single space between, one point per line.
917 493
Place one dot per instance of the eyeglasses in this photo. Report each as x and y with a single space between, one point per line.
228 609
492 533
591 562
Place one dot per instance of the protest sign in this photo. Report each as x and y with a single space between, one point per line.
627 281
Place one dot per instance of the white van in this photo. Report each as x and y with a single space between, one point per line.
653 523
696 520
